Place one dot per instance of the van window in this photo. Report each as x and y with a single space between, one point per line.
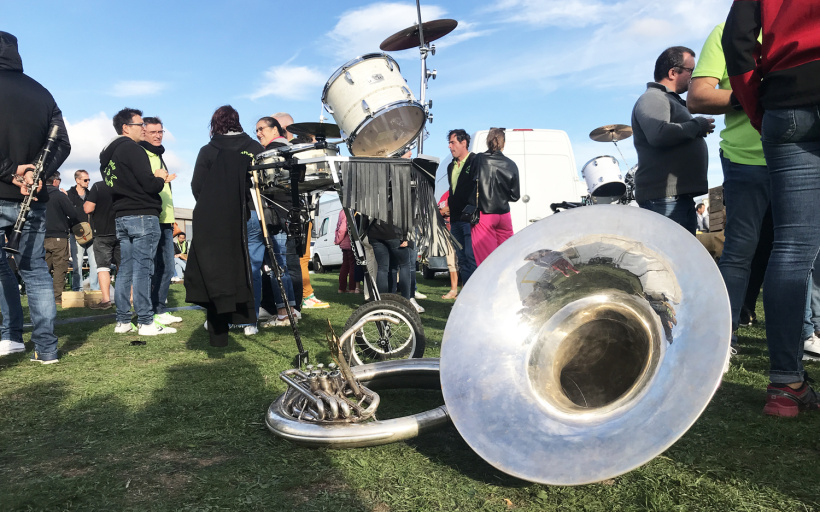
323 230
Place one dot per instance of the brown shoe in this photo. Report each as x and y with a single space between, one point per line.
101 305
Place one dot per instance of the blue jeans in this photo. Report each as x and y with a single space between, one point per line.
811 319
138 236
163 269
31 263
388 253
680 209
179 267
256 253
466 261
791 143
746 193
77 262
280 243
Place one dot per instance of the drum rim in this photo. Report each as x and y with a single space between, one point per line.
390 106
350 64
601 156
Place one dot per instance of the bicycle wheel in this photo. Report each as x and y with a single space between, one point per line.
383 341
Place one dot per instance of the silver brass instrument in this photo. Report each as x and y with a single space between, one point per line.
606 334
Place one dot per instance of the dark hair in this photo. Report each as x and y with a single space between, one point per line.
699 205
55 176
182 233
152 120
224 120
124 116
496 139
79 173
670 58
461 135
272 122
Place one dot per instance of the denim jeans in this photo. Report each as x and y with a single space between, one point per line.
280 244
388 253
811 318
31 263
746 193
680 209
462 232
791 143
77 262
163 269
179 267
256 253
138 236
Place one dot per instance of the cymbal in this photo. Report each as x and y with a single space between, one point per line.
611 133
321 130
409 37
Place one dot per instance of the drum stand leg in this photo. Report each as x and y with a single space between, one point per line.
302 356
360 256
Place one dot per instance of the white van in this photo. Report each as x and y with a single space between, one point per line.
546 170
323 252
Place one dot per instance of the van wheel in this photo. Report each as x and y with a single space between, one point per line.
427 273
317 265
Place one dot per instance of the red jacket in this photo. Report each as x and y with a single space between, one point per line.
785 71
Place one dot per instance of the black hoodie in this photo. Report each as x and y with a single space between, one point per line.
125 168
27 110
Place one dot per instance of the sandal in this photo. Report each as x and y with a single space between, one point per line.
452 294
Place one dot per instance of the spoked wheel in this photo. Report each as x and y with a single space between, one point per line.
380 340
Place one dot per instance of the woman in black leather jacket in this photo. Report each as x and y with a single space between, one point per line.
497 179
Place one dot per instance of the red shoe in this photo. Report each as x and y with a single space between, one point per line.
781 400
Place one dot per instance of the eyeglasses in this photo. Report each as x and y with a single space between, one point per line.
686 69
85 181
135 124
158 132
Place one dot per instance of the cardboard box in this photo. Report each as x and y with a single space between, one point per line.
73 300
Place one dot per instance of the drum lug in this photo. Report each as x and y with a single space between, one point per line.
348 77
328 108
366 107
407 92
389 64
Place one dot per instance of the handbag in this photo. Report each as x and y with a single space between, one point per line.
82 232
471 213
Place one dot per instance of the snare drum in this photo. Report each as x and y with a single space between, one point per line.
317 174
373 106
603 178
275 166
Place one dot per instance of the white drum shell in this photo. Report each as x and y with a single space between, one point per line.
603 177
373 106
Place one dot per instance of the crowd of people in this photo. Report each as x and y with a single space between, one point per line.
760 69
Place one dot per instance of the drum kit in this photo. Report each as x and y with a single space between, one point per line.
576 351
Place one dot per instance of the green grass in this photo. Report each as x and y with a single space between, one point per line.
178 425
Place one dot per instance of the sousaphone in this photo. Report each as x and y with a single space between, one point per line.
585 345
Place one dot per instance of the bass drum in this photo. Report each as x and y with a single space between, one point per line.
604 180
383 341
373 106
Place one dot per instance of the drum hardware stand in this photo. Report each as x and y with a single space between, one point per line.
302 355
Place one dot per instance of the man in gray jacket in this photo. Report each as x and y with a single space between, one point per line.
672 153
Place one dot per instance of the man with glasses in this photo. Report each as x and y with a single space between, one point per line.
78 195
164 259
672 153
135 190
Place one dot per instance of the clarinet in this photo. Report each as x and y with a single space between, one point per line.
13 242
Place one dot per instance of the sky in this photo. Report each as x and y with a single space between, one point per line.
571 65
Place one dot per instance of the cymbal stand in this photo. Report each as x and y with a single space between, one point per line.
425 74
622 155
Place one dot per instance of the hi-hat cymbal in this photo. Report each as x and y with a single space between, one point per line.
320 130
409 37
611 133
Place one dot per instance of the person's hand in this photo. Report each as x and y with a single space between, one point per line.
403 244
445 211
26 180
170 178
161 173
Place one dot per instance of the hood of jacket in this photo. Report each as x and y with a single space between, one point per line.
105 154
9 55
234 142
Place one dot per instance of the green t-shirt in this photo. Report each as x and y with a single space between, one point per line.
457 166
740 142
166 214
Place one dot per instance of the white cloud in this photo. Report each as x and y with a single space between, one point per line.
129 88
362 30
291 82
561 13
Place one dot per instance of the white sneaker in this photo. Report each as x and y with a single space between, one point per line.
264 314
167 318
205 325
420 295
250 330
277 322
124 327
155 329
416 305
811 348
296 314
11 347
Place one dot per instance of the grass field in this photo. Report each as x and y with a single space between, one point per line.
178 425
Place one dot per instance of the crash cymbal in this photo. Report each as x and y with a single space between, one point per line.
409 37
611 133
320 130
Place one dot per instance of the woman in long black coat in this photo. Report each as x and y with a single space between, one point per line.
218 274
